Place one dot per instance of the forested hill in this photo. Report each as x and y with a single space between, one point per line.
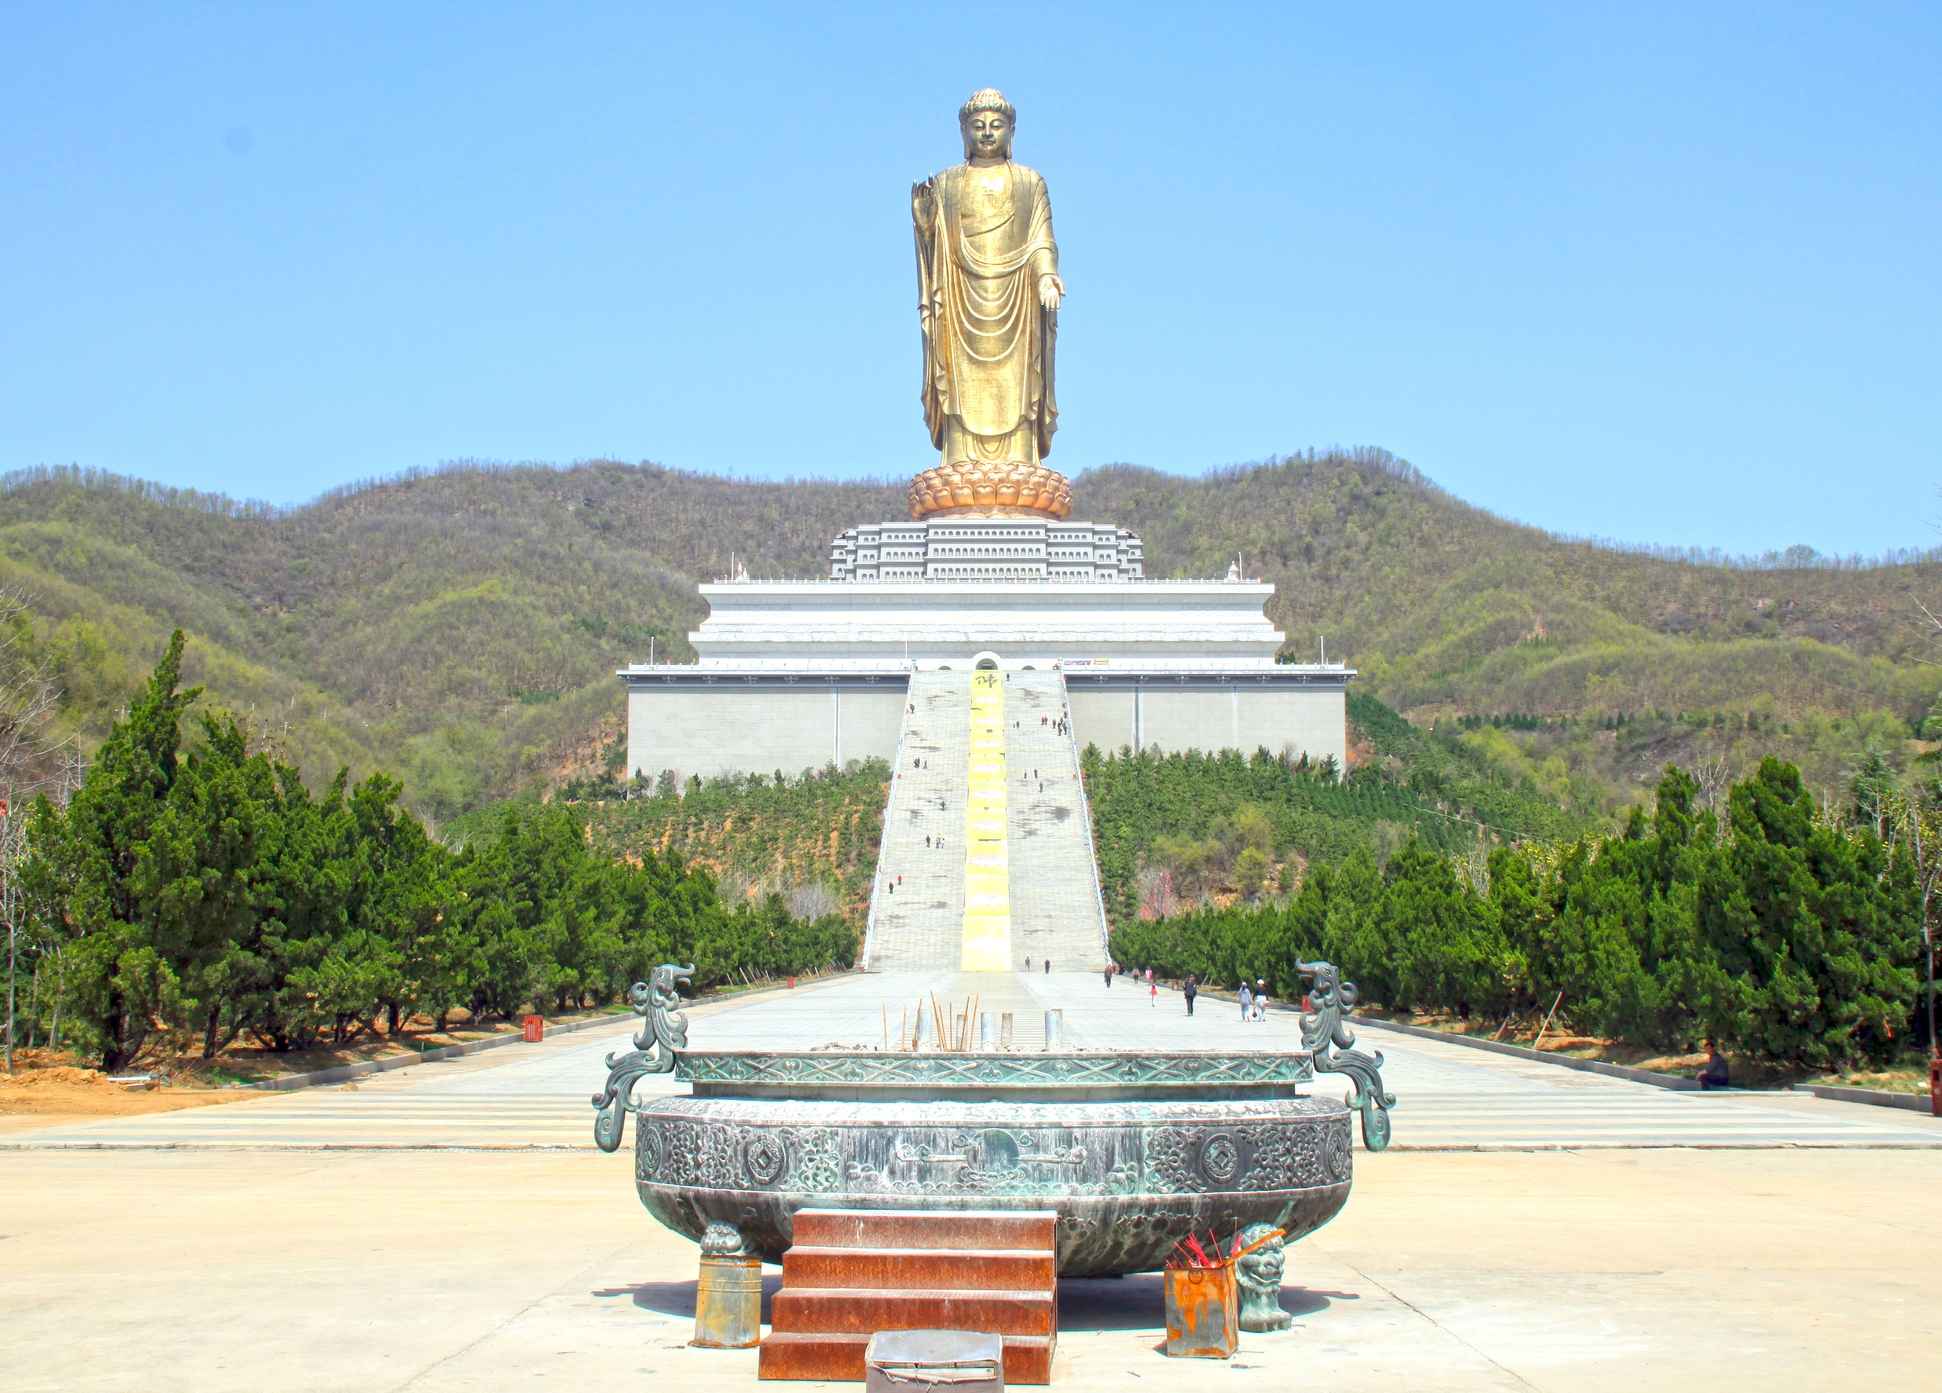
462 626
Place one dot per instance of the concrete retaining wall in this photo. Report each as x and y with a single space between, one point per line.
737 727
734 725
1874 1097
1102 716
1211 715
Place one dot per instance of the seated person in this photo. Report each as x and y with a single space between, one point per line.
1714 1075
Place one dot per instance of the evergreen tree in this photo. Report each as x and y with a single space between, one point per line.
82 871
400 883
200 873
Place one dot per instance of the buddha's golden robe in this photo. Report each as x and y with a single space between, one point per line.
984 237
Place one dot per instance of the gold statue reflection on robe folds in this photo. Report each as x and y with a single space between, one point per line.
989 287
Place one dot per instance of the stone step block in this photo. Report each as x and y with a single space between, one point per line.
896 1269
957 1230
838 1357
862 1311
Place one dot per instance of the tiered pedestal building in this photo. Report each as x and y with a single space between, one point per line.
801 674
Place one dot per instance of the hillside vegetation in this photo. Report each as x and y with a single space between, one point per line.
1175 831
811 839
462 627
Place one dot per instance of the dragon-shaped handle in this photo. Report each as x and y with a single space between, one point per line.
663 1031
1326 1031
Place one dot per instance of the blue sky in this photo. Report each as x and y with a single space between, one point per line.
1659 273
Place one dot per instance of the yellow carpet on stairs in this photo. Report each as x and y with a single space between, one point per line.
987 867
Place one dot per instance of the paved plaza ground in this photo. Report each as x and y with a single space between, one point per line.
450 1225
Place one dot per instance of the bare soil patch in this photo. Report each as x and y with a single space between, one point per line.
1561 1039
48 1086
1910 1078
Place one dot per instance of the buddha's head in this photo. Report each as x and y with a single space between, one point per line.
986 122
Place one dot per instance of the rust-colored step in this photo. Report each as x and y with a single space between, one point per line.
839 1357
854 1272
905 1269
849 1310
926 1228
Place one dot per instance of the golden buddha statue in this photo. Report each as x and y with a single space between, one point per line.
989 292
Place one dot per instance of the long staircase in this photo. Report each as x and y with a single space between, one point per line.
987 861
1056 910
917 903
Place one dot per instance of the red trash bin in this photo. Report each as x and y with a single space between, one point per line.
535 1029
792 981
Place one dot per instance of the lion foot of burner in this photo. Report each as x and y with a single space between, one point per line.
1258 1274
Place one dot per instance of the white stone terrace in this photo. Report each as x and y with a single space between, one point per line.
1303 673
1172 625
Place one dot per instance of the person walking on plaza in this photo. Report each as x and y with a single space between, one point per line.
1190 991
1247 1002
1260 998
1152 989
1109 976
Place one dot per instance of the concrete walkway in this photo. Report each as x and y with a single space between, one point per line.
525 1097
1565 1272
246 1258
